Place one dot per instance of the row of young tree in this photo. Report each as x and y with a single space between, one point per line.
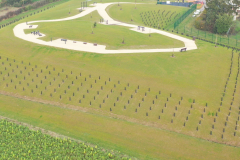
218 16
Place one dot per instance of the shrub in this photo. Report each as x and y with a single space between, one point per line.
16 4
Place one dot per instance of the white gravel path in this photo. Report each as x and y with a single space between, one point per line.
89 47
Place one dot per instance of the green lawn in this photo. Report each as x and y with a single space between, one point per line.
81 29
146 14
135 140
112 81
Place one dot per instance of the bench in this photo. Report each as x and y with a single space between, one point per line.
95 44
74 41
84 42
40 34
183 49
30 26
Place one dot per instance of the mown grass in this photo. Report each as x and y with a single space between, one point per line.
128 138
82 29
123 71
198 75
131 15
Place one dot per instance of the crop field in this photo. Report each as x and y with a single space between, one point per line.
151 15
18 142
128 102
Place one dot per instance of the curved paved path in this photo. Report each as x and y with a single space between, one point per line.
89 47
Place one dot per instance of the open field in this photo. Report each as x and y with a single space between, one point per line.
114 133
156 102
141 101
153 15
82 29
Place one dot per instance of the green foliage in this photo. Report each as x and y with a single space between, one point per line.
20 2
199 22
223 22
218 8
221 7
17 4
19 142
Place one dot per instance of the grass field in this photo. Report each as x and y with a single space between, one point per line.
82 29
126 137
153 15
156 102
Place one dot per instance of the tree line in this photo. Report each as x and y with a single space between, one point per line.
218 16
15 3
34 5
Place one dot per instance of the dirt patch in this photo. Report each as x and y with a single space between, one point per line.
5 10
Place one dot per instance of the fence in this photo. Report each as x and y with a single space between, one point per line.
176 4
222 40
193 7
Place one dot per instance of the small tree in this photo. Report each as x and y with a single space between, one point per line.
95 24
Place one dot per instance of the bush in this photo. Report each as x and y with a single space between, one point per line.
16 4
200 22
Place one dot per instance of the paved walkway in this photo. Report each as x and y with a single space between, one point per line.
90 47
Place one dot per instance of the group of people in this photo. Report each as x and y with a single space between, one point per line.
36 33
143 28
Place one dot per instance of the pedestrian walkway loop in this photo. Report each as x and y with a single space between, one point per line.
89 47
